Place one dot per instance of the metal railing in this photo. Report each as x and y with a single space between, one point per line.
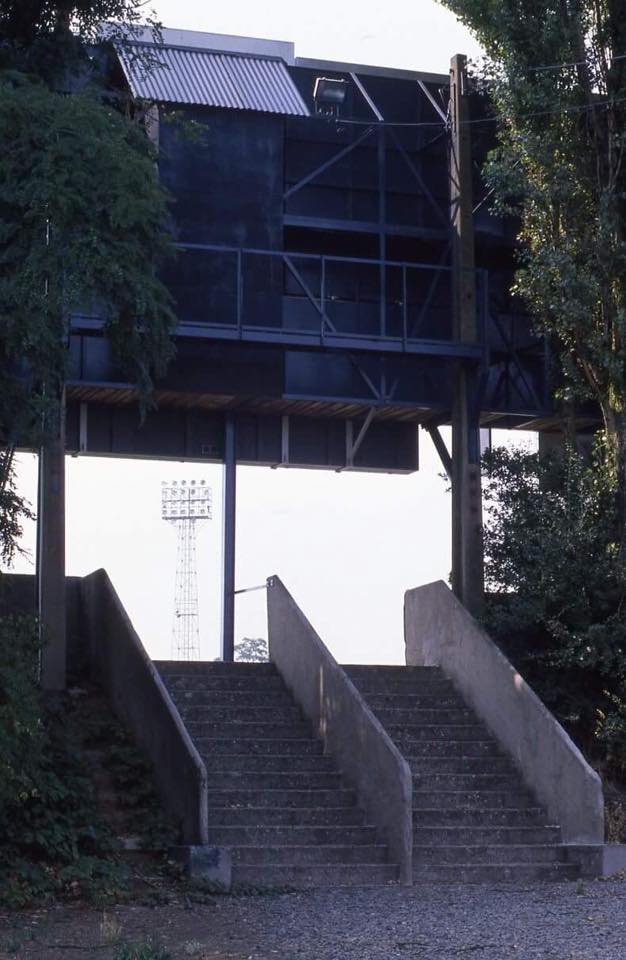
333 298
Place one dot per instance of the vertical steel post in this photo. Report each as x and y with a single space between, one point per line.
228 550
382 238
467 546
51 601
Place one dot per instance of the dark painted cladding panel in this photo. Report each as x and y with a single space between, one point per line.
418 381
225 174
246 371
198 367
179 434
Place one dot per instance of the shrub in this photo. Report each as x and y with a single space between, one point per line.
556 590
53 841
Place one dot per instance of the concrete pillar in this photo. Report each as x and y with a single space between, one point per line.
51 599
467 548
229 531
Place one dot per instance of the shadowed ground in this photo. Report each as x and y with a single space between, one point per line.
566 921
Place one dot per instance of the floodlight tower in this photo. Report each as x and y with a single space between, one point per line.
184 504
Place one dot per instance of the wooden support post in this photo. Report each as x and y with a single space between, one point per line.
467 547
229 530
51 600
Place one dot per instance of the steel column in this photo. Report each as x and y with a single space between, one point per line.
51 601
467 546
228 549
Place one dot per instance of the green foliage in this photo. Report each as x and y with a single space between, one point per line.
56 39
139 813
82 219
557 590
82 230
14 509
557 79
148 950
21 730
252 650
53 841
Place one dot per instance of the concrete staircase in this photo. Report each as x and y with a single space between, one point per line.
275 800
473 819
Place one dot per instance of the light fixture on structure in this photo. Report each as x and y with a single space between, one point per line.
185 504
329 95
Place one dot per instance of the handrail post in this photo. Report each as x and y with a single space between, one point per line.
404 306
239 290
323 297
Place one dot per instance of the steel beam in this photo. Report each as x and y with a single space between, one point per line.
432 100
51 555
440 446
229 531
467 546
327 164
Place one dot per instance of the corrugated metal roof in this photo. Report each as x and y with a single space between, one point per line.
170 74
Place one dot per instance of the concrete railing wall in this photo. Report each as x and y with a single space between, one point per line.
120 664
440 632
18 595
351 733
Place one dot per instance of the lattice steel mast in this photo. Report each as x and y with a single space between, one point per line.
183 505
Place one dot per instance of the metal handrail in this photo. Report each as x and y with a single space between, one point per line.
371 261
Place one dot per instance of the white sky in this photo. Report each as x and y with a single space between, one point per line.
346 545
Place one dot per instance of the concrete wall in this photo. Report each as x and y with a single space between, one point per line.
122 667
18 595
440 632
365 753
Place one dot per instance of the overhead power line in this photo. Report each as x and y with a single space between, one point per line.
582 108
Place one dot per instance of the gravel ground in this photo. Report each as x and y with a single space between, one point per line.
565 921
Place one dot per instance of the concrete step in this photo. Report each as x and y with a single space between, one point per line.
280 798
190 683
441 731
415 701
235 836
379 686
215 746
288 763
216 713
391 670
281 817
423 681
238 699
465 799
529 853
273 780
204 668
486 816
438 766
416 749
311 854
471 782
309 875
495 872
494 836
402 682
223 730
392 717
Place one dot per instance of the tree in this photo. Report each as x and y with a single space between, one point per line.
252 650
82 222
556 589
556 74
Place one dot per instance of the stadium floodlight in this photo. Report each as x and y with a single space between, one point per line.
184 504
